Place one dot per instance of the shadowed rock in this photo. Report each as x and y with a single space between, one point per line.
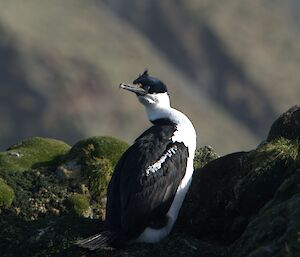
287 125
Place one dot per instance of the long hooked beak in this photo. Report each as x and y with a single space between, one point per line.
135 88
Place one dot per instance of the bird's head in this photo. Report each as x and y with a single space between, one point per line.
150 91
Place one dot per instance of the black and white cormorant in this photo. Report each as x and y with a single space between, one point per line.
152 177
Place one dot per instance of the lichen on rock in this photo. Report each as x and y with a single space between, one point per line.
38 193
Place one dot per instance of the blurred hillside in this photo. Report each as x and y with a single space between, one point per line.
231 67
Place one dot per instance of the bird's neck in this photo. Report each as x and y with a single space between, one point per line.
185 131
159 115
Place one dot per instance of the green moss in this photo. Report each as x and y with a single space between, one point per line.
6 194
99 174
280 149
100 147
95 173
79 205
203 156
96 157
264 170
32 153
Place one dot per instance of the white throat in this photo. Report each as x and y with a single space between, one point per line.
151 100
158 107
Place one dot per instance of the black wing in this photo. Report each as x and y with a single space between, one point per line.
140 191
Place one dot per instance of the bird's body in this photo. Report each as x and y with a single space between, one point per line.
152 177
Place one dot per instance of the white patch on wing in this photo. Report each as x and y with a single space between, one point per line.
157 165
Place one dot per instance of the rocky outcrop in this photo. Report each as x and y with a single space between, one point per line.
242 204
287 125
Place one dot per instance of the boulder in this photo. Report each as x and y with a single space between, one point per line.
287 125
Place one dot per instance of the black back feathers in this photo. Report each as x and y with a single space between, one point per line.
150 84
140 193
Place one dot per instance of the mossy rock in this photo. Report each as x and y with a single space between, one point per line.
275 230
263 172
96 157
279 148
32 153
100 147
203 156
79 205
248 201
287 125
38 193
99 174
6 195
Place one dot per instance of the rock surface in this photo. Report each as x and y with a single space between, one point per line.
244 204
287 125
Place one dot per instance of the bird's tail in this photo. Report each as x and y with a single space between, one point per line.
97 241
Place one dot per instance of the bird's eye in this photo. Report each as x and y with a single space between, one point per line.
146 87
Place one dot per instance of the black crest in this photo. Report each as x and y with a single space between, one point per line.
151 84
